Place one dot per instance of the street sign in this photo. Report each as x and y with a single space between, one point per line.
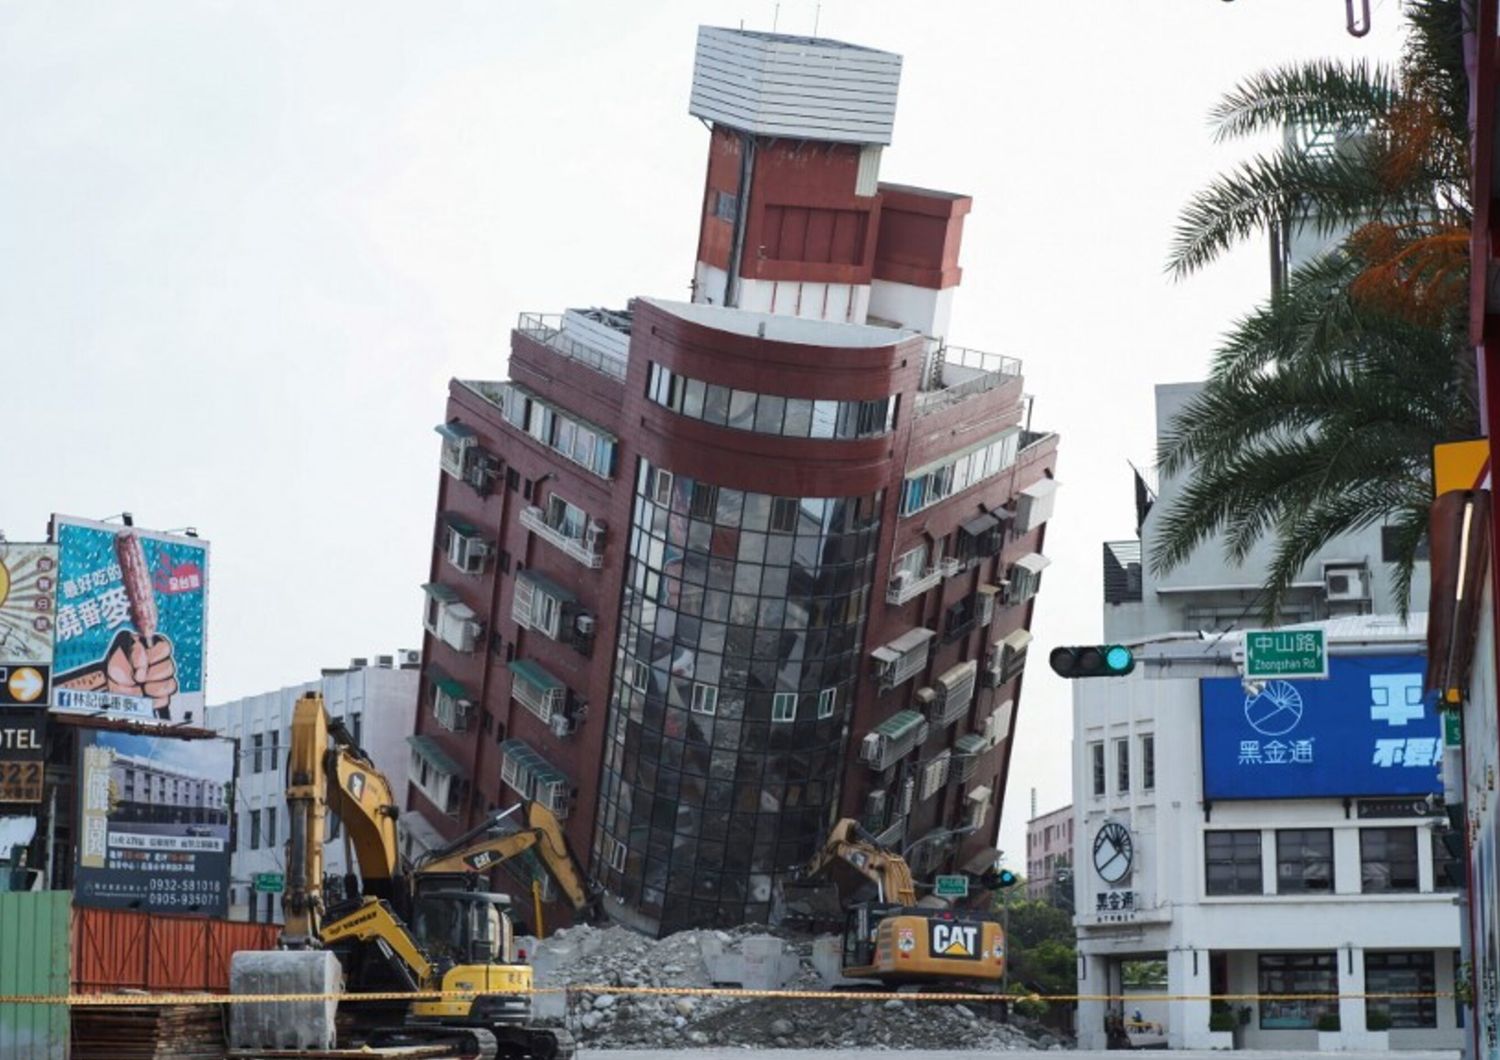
951 887
270 882
1285 653
1453 729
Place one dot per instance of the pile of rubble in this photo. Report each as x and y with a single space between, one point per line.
750 957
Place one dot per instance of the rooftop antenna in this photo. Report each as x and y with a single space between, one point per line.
775 17
817 14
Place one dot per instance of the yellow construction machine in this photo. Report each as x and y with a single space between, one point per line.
404 929
891 937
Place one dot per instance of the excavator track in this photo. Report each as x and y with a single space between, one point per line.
467 1043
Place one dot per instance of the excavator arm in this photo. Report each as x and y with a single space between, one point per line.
320 778
494 843
850 852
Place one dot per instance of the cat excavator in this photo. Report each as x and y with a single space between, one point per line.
889 936
428 928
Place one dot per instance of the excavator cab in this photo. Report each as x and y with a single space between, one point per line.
463 927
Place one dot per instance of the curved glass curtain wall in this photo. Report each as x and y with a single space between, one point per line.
788 417
739 645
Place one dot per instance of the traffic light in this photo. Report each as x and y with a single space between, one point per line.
1008 878
1103 660
999 879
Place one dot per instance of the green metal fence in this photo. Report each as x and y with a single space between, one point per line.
34 940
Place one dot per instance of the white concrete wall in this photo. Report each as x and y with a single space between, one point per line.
384 700
920 308
1174 914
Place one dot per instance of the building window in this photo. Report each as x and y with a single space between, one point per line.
952 474
1402 973
1148 763
1096 760
1304 861
1122 766
789 417
1294 974
827 700
725 206
640 676
356 728
254 829
465 548
538 604
257 762
1387 860
784 706
1025 578
574 438
1447 869
705 698
271 827
1232 863
617 852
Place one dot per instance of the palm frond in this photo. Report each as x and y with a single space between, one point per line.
1324 93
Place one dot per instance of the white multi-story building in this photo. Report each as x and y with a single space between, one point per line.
376 700
1276 840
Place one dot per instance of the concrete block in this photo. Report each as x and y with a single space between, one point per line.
828 961
307 1025
761 964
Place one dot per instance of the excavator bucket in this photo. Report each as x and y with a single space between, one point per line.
305 1025
808 905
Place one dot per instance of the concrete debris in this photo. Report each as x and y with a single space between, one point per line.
755 957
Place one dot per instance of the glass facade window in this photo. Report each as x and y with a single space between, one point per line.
1231 862
737 608
1096 763
789 417
1294 974
1402 973
1304 861
1387 860
955 473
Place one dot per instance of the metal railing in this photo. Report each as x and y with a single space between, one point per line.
546 328
535 520
901 590
937 394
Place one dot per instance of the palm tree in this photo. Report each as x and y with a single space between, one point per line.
1322 405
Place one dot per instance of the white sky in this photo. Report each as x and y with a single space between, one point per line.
244 246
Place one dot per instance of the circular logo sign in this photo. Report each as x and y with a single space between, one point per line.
1276 710
26 684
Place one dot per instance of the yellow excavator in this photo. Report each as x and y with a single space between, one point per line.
889 936
400 928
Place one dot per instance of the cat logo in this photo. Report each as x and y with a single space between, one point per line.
357 785
955 940
482 859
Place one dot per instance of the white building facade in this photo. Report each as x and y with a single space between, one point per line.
1049 851
1276 841
375 698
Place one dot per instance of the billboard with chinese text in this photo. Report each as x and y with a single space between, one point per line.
28 601
154 822
131 621
1365 730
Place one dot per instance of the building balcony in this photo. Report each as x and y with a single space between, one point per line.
567 337
905 586
585 550
956 373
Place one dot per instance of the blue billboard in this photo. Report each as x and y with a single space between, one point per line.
1365 730
130 622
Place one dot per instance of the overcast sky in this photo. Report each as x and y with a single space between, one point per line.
243 247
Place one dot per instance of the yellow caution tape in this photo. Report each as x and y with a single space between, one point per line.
675 991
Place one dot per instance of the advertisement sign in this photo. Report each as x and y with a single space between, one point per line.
28 602
153 830
131 621
22 755
1365 730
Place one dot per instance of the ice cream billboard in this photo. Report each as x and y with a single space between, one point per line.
153 822
131 622
28 602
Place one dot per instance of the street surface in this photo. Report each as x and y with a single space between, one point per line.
962 1054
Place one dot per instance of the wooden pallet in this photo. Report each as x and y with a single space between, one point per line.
148 1032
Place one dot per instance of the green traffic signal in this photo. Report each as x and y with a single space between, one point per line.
1008 878
1103 660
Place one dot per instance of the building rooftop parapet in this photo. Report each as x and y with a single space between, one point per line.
956 373
552 331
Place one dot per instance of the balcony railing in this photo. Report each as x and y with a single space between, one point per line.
901 589
535 520
940 390
547 330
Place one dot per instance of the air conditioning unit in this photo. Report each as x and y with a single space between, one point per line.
1346 584
902 578
562 725
870 748
875 804
584 624
908 790
468 635
482 472
406 657
593 537
951 566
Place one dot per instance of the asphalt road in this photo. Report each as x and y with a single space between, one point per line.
958 1054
